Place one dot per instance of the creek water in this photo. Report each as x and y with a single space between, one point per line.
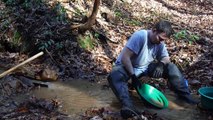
77 96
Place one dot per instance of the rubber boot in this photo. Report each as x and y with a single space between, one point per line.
129 112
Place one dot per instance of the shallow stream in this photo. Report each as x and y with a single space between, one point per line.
77 96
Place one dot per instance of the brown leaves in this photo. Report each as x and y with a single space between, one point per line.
34 108
49 105
194 60
10 85
107 114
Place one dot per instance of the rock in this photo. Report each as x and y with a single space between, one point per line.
47 74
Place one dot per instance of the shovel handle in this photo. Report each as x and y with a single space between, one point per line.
22 63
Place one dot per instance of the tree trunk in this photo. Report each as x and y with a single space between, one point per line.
91 20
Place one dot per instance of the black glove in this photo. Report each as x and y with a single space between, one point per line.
135 81
158 72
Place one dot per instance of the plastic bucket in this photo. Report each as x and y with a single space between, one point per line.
206 97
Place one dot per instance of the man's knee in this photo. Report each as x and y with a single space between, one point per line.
173 70
171 66
117 75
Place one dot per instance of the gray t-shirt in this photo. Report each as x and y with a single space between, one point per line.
146 52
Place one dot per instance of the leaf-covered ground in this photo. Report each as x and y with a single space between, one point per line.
31 26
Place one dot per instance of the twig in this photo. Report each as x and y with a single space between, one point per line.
51 56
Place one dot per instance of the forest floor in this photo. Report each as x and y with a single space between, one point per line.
70 56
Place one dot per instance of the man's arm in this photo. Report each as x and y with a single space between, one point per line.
126 60
165 60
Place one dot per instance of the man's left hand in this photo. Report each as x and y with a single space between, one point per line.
158 72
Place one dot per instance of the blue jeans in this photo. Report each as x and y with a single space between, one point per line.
118 80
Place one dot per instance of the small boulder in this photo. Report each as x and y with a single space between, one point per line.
47 74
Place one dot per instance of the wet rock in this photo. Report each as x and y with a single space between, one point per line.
47 74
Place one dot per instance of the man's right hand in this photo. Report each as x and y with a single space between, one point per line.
135 81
